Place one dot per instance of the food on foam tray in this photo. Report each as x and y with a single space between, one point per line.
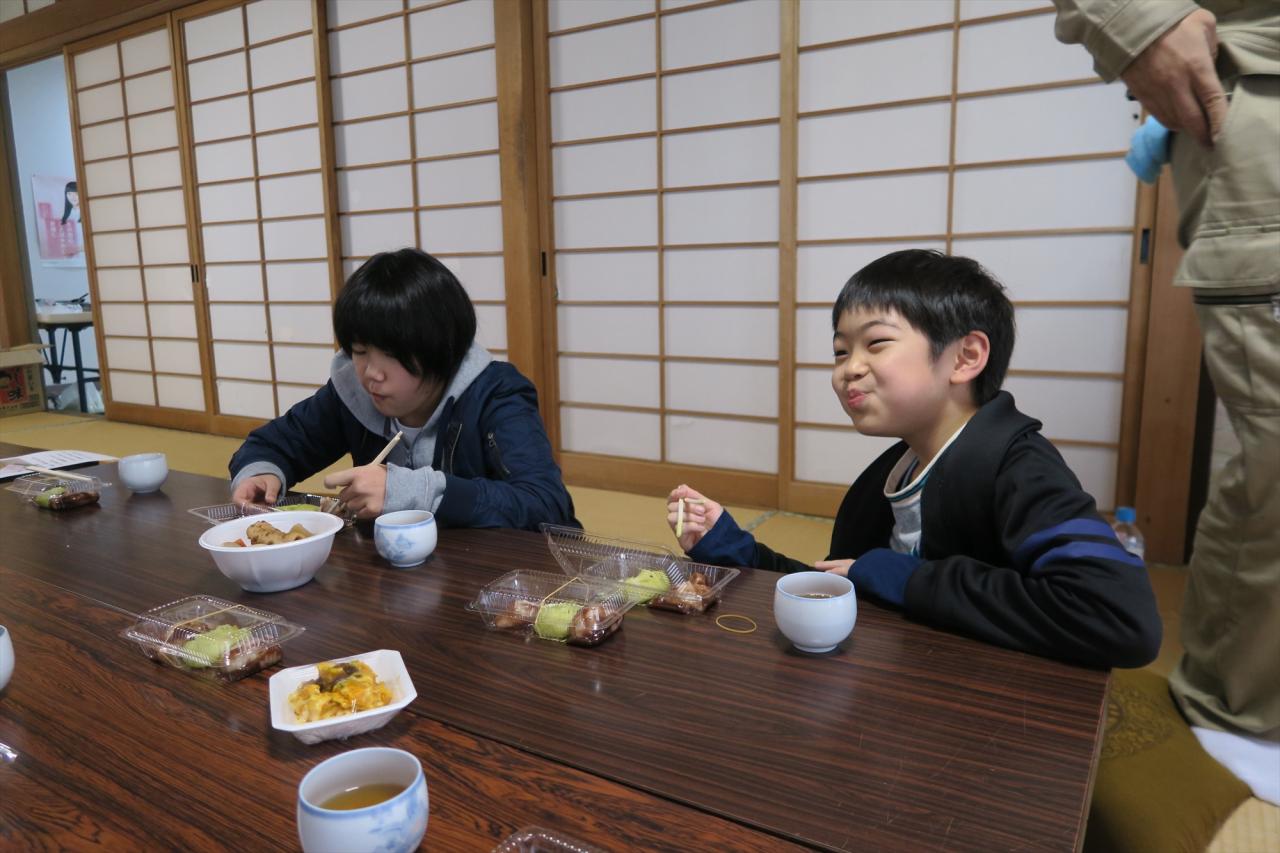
340 689
265 533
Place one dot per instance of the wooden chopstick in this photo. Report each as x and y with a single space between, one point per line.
377 460
60 474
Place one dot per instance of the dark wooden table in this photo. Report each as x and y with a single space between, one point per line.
674 733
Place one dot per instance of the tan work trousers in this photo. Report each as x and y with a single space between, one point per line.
1229 200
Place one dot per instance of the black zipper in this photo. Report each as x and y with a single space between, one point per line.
1202 298
497 455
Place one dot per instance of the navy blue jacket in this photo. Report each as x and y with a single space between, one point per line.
491 447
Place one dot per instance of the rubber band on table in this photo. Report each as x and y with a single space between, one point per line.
724 627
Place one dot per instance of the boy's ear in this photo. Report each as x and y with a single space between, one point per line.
971 357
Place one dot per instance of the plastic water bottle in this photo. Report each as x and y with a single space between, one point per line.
1127 531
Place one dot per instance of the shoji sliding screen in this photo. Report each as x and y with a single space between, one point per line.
664 161
257 135
979 135
415 113
131 179
717 170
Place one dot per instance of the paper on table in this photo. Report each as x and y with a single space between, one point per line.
16 466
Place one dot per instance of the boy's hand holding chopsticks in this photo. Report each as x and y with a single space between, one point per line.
691 515
365 486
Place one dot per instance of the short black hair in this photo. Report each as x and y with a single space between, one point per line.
409 305
943 296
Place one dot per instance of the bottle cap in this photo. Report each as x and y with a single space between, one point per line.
1126 514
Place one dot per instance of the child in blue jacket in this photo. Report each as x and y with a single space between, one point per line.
473 450
972 521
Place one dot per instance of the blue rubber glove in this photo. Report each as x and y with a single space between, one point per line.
883 573
1148 150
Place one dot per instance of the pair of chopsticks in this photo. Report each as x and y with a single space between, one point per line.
62 475
680 513
340 506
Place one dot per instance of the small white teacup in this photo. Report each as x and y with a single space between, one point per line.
392 824
6 656
815 610
405 538
144 472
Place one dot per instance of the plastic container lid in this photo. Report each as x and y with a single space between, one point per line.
211 637
33 484
320 503
690 587
576 610
219 513
1126 514
535 839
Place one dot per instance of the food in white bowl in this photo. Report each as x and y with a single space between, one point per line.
385 664
272 568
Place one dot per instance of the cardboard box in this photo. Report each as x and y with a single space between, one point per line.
21 380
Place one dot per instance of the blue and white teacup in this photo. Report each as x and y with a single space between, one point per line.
391 826
405 538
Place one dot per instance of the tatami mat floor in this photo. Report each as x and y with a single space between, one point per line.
1254 828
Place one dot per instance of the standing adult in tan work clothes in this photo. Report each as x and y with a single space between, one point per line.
1210 72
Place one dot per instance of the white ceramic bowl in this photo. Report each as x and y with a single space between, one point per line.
815 624
405 538
143 472
393 826
271 568
385 663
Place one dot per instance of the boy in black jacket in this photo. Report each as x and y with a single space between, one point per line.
973 521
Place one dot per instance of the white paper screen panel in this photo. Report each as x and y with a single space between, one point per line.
567 14
1062 267
459 130
889 138
128 353
375 189
368 46
246 399
822 270
835 456
730 389
632 434
1080 339
177 356
267 19
1081 409
149 92
997 127
343 12
826 21
816 402
288 396
162 170
234 282
611 110
169 284
735 31
722 332
603 222
735 93
720 156
107 177
884 206
602 54
448 28
614 382
483 277
242 361
111 214
727 274
630 164
373 94
813 335
460 181
1049 196
855 74
607 276
721 216
491 326
129 387
462 229
123 285
100 104
469 77
600 329
373 141
1028 54
298 282
737 445
180 392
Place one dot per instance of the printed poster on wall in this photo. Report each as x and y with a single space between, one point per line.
58 231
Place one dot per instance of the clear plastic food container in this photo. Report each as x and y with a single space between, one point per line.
535 839
51 491
652 575
578 611
319 503
212 638
219 513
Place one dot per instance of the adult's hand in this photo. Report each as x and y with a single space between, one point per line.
1174 78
